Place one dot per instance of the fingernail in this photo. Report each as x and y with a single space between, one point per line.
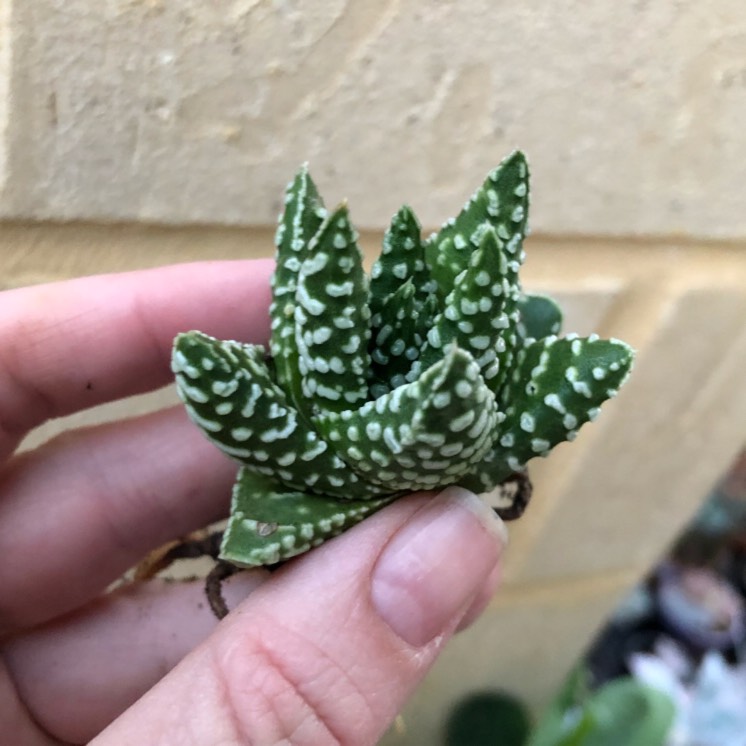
482 600
436 564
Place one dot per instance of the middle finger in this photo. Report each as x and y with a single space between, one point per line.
80 510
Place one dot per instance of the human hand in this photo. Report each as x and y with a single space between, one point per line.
324 650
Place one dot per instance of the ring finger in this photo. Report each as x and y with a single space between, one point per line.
112 651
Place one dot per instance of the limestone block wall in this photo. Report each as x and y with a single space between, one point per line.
135 133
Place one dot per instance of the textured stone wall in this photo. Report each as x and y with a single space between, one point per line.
198 112
135 133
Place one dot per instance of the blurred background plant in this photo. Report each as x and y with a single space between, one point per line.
620 713
668 669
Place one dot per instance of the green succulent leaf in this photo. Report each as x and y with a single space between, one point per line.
502 203
402 259
397 341
479 313
301 219
438 371
556 387
332 319
270 523
229 393
539 317
422 434
402 301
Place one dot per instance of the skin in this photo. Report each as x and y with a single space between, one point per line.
326 650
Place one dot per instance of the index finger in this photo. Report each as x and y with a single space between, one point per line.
71 345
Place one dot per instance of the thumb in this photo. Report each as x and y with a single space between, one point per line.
330 648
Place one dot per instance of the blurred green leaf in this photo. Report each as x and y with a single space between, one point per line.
488 719
622 713
626 712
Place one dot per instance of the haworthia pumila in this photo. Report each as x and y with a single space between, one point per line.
437 370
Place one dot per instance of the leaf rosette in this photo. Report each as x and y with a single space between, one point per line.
435 370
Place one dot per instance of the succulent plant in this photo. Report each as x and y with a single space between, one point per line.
434 371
